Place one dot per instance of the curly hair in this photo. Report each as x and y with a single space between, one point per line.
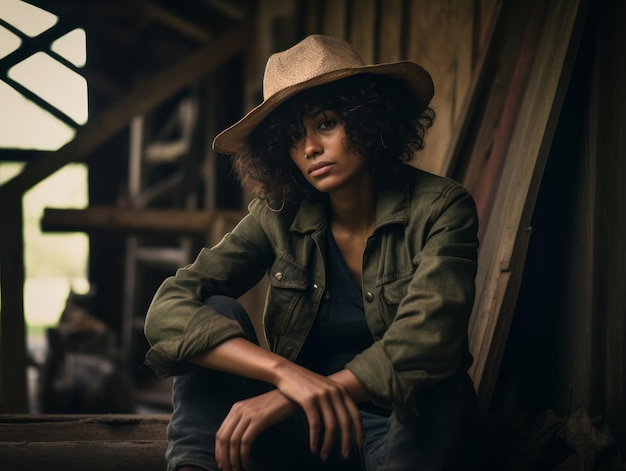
383 121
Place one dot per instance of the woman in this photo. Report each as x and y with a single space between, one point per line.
371 264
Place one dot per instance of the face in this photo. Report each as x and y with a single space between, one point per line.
322 152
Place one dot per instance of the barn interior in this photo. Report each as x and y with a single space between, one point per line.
530 108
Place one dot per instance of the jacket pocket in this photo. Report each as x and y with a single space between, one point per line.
287 286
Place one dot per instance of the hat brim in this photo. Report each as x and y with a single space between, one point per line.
233 139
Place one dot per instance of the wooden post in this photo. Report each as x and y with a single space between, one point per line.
13 388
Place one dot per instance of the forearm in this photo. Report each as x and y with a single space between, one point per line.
357 391
241 357
244 358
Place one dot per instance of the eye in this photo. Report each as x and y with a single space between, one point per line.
327 124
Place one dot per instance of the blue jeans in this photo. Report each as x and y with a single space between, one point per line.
440 439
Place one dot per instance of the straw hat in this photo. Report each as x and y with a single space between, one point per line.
316 60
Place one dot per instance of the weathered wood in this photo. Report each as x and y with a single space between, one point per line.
502 255
509 79
486 57
144 455
390 20
82 428
336 13
361 28
126 221
78 442
439 54
13 388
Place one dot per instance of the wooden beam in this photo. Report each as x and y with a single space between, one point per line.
335 23
361 28
390 18
132 455
143 99
127 221
478 84
174 21
22 155
82 427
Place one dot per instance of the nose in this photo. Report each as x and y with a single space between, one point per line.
312 145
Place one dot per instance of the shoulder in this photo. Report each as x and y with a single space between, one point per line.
272 220
441 194
422 181
422 185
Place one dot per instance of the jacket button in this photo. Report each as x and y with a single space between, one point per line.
278 275
315 285
369 297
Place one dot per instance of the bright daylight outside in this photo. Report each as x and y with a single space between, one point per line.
54 263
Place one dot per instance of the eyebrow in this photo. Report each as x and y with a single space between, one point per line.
316 112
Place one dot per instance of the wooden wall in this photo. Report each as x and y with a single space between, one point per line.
445 37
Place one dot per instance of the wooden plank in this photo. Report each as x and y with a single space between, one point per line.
487 10
498 123
466 23
64 428
130 220
390 35
312 17
144 455
141 100
13 386
468 111
362 23
439 54
502 254
335 18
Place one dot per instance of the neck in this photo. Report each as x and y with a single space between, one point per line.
354 210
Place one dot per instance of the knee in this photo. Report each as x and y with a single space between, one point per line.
226 306
231 308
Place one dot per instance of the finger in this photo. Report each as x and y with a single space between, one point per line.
247 439
345 420
236 443
356 422
312 413
222 443
328 410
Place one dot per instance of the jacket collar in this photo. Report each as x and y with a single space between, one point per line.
392 207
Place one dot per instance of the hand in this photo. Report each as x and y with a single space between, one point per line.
243 424
327 406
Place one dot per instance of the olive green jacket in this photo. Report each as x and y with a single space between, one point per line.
418 289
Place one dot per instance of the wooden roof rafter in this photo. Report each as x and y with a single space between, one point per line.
174 21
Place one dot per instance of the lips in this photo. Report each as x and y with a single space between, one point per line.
320 168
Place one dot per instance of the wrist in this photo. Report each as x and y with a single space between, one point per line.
280 370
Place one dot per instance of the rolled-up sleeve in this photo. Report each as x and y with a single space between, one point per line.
178 324
426 341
